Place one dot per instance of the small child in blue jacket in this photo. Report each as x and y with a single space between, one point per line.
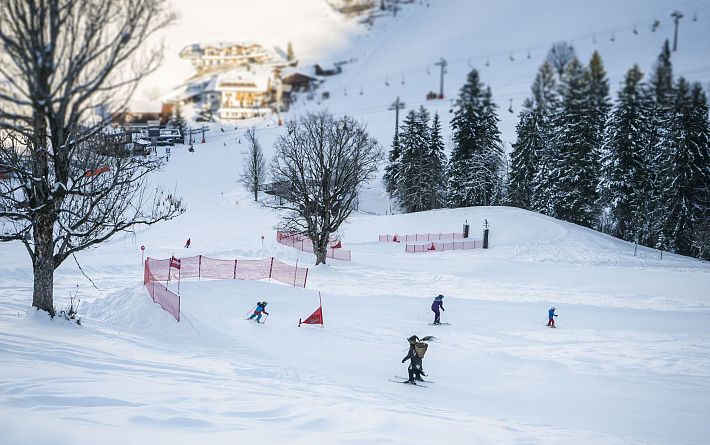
551 317
260 307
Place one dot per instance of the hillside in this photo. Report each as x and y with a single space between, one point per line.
628 364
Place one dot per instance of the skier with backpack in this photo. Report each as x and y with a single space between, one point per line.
258 310
417 349
435 306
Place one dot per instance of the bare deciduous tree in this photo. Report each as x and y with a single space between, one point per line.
323 163
560 55
253 164
65 190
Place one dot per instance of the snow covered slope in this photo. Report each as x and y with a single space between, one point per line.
629 363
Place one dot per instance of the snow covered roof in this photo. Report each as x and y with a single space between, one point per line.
197 49
305 71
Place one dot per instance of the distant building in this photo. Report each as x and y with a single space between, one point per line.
215 57
328 69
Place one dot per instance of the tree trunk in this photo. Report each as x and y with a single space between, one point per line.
321 255
43 265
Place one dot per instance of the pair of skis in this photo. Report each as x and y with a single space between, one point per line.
398 379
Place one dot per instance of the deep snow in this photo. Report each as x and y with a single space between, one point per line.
629 363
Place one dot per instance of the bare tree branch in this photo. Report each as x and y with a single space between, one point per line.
62 188
322 163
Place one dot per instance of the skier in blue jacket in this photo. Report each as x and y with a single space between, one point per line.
260 307
551 317
435 306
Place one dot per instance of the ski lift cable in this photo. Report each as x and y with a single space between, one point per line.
609 31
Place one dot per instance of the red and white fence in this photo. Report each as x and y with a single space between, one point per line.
303 243
203 267
160 294
440 247
419 237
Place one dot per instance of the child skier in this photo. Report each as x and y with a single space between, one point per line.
551 317
415 355
260 307
435 306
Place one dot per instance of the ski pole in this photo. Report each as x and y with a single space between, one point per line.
265 318
251 311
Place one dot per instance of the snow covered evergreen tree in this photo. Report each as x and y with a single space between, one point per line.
391 176
530 157
575 172
412 189
660 93
477 156
435 172
684 173
623 189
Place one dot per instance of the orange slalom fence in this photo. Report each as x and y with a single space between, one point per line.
303 243
160 294
419 237
440 247
201 266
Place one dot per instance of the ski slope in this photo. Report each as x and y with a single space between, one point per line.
629 363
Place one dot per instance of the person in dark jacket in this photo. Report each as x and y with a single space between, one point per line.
415 361
435 306
260 307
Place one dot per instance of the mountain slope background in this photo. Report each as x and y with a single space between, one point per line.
629 362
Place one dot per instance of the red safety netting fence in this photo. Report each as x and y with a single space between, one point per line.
161 294
303 243
440 247
201 266
419 237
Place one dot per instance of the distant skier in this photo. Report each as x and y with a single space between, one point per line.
435 306
551 317
415 355
260 307
187 244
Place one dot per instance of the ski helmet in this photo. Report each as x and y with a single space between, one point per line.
264 303
552 308
413 339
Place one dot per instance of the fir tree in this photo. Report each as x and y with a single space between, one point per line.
476 158
436 163
699 127
685 168
575 172
391 176
530 151
660 93
412 191
599 107
624 162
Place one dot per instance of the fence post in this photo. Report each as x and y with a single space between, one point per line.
199 267
295 271
178 309
305 278
270 268
235 270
